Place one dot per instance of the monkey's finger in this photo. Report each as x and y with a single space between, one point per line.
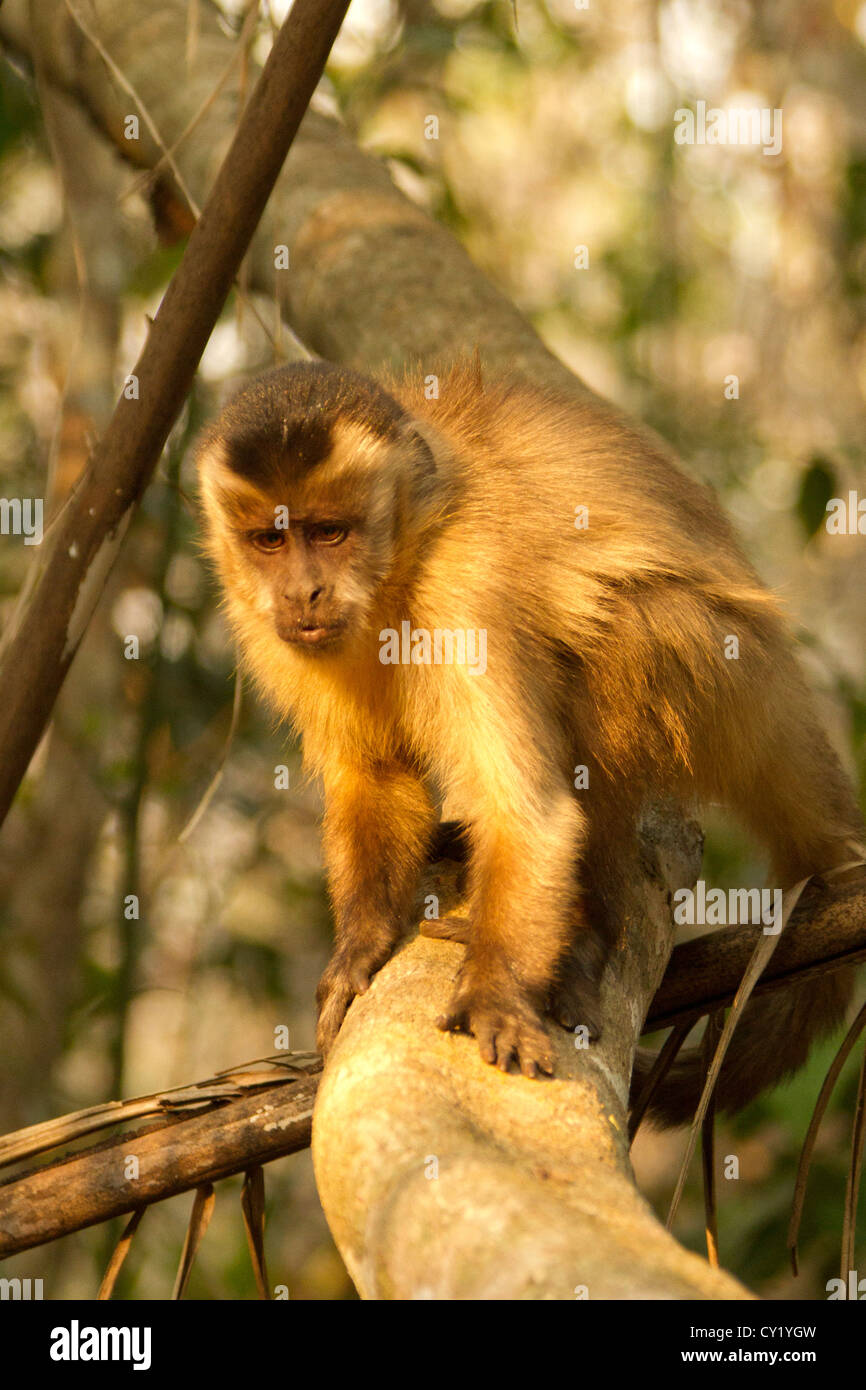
326 1032
485 1036
535 1054
505 1052
570 1011
325 1036
508 1046
570 1019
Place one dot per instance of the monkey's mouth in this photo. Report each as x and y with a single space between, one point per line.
313 634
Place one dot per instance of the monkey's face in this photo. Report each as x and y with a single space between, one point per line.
309 479
306 551
312 576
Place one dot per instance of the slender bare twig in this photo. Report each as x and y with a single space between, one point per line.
50 627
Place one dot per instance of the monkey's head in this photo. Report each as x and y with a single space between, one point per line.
311 478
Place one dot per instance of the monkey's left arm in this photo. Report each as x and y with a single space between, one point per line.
378 825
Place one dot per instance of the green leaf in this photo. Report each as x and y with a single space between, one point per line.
817 485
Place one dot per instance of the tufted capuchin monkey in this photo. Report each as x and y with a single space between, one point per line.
474 596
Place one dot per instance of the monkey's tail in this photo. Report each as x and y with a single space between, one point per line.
797 798
771 1041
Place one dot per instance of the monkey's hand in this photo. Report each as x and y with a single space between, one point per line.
504 1021
347 974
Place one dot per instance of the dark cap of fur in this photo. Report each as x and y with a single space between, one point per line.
289 413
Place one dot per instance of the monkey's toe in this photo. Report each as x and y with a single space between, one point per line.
503 1037
528 1047
571 1013
331 1015
359 979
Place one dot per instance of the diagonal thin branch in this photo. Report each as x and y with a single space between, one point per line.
764 949
121 1250
123 81
711 1216
199 1220
852 1187
818 1113
253 1208
49 629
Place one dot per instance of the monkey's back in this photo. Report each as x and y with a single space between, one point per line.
590 556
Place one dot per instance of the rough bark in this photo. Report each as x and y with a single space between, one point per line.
443 1178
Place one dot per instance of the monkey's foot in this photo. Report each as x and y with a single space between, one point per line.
574 1002
347 974
505 1026
574 999
451 927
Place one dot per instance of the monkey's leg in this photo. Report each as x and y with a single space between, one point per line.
377 827
611 811
522 906
566 1000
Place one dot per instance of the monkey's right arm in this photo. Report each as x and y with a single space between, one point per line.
379 821
524 919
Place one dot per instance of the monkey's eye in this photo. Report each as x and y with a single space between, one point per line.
327 533
268 540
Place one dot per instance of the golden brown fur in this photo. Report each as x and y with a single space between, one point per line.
607 646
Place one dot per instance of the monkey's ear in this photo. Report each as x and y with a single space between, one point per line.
424 449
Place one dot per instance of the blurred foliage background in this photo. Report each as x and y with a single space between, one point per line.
705 262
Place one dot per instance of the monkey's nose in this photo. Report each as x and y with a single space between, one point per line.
317 593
